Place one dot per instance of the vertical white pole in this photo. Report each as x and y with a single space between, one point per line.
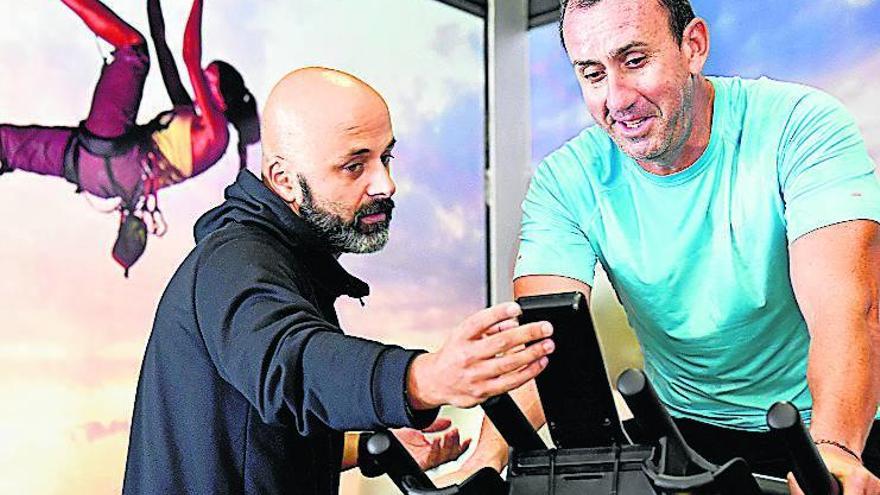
508 146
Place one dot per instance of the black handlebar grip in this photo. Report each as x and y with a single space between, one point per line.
652 418
486 481
393 458
412 486
810 471
513 425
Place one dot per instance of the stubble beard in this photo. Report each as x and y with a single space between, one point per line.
670 142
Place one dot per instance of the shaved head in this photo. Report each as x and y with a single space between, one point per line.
312 103
327 139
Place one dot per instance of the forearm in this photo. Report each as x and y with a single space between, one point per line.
843 379
528 400
491 448
192 38
835 274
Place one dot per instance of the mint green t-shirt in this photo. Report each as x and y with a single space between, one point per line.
699 259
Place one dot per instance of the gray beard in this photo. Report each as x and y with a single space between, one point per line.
337 234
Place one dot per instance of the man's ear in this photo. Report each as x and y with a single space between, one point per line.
695 44
284 182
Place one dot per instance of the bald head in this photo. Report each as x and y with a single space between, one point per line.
311 106
327 143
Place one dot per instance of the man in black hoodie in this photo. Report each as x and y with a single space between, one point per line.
248 383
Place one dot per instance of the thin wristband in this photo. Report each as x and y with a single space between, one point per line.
839 446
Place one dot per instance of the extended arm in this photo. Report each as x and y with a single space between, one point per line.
270 343
835 274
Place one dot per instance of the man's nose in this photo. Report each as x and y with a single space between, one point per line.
381 183
620 94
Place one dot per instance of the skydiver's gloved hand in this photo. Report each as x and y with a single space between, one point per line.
481 358
434 450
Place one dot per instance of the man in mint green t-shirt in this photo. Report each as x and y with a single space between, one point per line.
738 223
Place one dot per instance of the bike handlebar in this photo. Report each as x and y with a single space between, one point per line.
810 471
513 425
653 420
678 461
389 453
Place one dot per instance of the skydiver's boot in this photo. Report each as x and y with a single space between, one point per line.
33 148
105 23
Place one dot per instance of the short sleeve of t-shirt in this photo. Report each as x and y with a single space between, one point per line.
825 171
552 241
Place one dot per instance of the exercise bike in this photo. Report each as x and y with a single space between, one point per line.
592 453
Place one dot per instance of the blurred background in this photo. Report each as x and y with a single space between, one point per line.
73 330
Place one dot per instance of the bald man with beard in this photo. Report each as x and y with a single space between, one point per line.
248 383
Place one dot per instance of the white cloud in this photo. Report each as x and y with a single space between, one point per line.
861 99
452 222
417 54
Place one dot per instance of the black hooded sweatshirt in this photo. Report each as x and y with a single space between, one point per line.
247 382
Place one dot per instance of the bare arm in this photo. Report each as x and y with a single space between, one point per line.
835 273
491 448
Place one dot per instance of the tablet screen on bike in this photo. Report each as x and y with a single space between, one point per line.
574 388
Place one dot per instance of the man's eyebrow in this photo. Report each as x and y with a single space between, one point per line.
615 54
365 151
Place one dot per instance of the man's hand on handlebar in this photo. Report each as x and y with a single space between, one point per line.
854 477
482 357
436 450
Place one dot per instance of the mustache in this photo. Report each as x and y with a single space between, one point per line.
384 205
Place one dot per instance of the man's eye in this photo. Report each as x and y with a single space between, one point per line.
353 168
594 76
636 62
386 159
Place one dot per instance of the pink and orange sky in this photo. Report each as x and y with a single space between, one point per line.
73 329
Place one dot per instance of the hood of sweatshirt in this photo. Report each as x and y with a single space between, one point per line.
249 201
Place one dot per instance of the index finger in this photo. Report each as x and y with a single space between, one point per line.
474 326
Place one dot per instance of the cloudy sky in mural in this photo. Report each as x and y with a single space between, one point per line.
72 330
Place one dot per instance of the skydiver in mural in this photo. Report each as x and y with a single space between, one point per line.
111 156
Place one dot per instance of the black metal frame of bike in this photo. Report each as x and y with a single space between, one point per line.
664 464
